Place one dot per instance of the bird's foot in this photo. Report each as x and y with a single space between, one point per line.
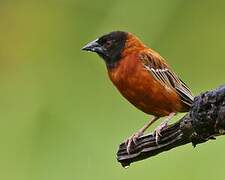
158 131
132 140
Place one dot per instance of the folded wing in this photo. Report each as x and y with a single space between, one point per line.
156 65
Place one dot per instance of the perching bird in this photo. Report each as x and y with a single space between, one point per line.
143 77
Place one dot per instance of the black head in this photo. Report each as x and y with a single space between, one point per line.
109 47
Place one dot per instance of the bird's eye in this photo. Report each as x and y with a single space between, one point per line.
108 44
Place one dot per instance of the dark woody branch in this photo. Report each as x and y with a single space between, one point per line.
204 121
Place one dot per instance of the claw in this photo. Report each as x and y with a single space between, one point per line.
131 141
164 124
158 131
157 136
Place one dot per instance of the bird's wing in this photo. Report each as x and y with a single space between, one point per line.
156 65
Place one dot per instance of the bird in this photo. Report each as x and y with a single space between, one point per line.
144 78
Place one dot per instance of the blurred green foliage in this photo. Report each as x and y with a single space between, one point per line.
62 119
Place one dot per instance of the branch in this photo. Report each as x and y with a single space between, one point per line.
204 121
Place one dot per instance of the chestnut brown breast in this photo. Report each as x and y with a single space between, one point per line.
140 88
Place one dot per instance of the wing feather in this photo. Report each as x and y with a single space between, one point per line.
156 65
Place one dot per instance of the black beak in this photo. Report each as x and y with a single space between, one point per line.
93 46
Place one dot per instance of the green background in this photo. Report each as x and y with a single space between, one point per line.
60 116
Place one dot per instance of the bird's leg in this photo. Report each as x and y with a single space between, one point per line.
140 132
164 124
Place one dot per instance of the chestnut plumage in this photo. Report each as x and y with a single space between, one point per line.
143 77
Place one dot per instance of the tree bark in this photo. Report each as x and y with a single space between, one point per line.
204 121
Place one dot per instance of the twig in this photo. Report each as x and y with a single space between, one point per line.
204 121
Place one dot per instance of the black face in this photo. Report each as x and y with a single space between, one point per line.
109 47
